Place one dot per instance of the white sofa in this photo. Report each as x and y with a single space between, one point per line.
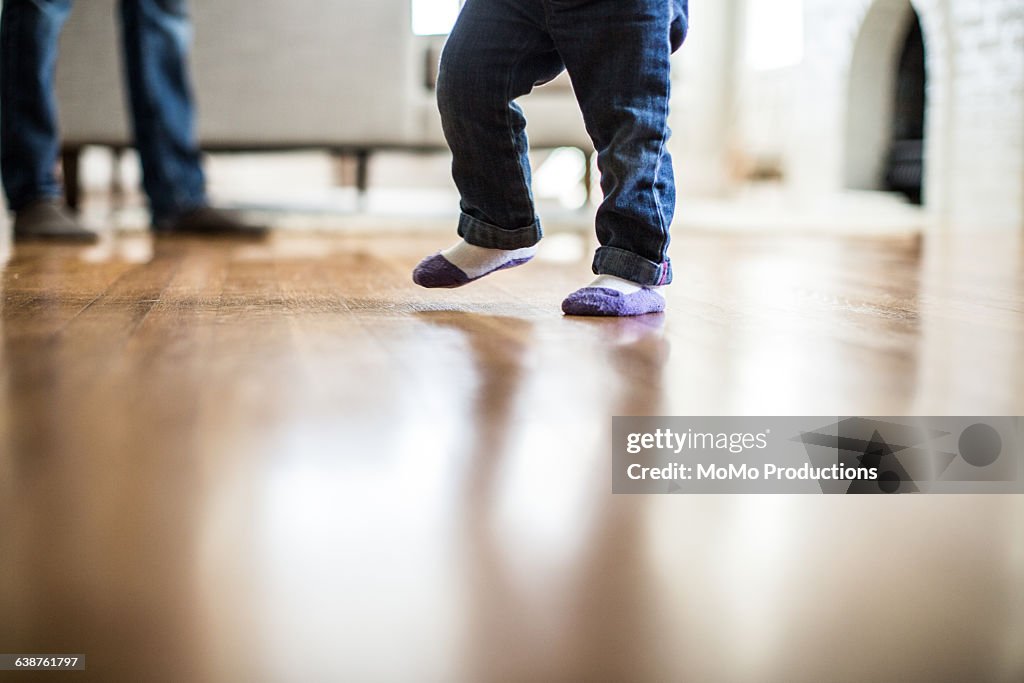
344 75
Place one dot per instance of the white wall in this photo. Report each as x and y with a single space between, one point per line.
703 107
821 118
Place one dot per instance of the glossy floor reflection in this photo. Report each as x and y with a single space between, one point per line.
283 461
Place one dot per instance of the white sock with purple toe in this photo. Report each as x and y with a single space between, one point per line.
463 263
620 285
613 296
477 261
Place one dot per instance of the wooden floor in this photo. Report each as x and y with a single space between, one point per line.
284 462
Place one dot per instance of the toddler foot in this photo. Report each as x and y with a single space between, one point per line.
464 263
612 296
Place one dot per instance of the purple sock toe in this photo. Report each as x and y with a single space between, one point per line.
609 302
436 272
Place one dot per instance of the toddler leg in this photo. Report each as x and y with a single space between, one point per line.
617 52
497 52
29 134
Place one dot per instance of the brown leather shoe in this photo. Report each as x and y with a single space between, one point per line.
207 220
49 219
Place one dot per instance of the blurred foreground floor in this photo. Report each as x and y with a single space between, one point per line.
284 462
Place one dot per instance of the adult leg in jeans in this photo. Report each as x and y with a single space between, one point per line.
29 137
157 37
497 51
29 32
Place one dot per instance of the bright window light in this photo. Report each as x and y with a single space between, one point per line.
775 33
434 17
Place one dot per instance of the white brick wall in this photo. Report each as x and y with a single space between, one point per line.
824 118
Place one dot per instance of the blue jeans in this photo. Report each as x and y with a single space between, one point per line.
156 36
617 55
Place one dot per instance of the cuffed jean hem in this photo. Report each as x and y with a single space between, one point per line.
19 203
629 266
482 234
165 215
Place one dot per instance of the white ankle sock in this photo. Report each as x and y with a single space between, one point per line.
620 285
477 261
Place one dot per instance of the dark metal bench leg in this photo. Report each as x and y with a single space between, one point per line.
362 170
117 188
70 159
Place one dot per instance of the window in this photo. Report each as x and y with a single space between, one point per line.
775 33
434 17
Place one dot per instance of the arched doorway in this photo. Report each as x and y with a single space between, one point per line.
904 171
886 102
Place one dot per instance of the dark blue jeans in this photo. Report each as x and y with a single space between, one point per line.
156 36
617 55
